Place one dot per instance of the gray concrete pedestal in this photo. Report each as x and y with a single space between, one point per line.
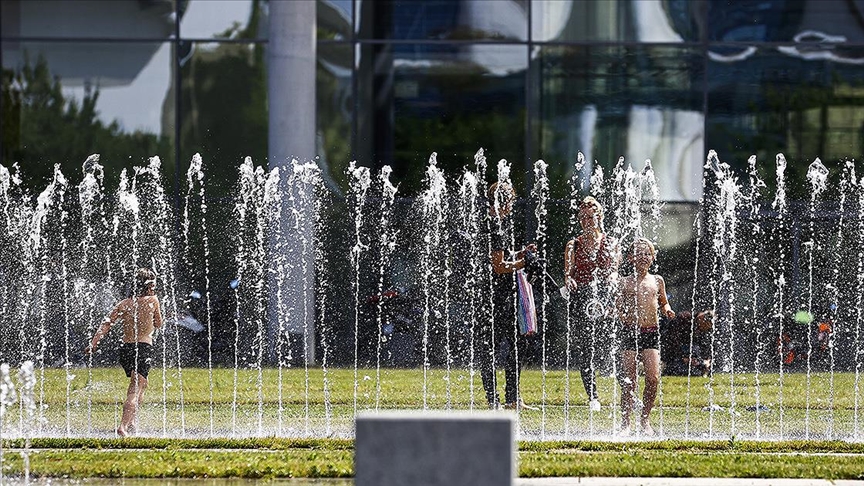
435 449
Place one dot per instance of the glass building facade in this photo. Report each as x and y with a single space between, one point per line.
665 80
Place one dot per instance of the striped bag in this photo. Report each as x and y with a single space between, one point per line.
526 313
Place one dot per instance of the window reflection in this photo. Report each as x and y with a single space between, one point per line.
223 19
334 19
616 20
335 109
834 21
223 111
223 117
451 100
114 99
442 19
775 101
82 19
639 102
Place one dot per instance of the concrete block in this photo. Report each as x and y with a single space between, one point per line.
423 448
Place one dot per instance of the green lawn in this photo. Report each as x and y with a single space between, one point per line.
300 410
262 433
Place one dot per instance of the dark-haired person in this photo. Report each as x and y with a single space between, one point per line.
686 344
590 267
501 325
140 315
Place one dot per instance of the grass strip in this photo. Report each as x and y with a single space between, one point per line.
654 463
268 443
328 458
167 463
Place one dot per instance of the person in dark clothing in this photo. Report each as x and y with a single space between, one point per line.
590 268
501 327
680 356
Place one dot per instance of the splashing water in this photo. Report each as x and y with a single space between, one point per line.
7 399
746 267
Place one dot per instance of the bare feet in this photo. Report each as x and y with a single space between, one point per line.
625 431
647 429
121 431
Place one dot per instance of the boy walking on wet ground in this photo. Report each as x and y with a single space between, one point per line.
642 296
140 315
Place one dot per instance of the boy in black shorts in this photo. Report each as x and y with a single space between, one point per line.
140 316
642 296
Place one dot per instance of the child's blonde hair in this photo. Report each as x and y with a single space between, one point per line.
642 239
500 194
145 282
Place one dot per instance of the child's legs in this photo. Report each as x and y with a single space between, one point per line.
142 385
651 362
628 383
134 396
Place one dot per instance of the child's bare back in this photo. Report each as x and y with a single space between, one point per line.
140 316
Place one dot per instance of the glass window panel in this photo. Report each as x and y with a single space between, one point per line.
223 109
76 19
449 99
63 102
607 101
335 93
223 19
223 117
773 100
616 20
805 21
442 19
334 19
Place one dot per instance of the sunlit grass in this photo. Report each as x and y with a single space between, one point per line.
249 402
256 431
329 458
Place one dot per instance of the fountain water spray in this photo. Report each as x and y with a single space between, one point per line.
817 175
387 246
779 205
7 399
540 194
359 182
752 321
469 215
195 176
434 284
27 378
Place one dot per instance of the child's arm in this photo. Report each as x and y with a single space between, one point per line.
665 308
103 330
157 314
569 248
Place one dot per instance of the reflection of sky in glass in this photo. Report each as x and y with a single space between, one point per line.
138 106
206 18
343 5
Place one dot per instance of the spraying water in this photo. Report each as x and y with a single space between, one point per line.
113 236
359 181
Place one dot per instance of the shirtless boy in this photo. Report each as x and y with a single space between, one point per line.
642 296
140 315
